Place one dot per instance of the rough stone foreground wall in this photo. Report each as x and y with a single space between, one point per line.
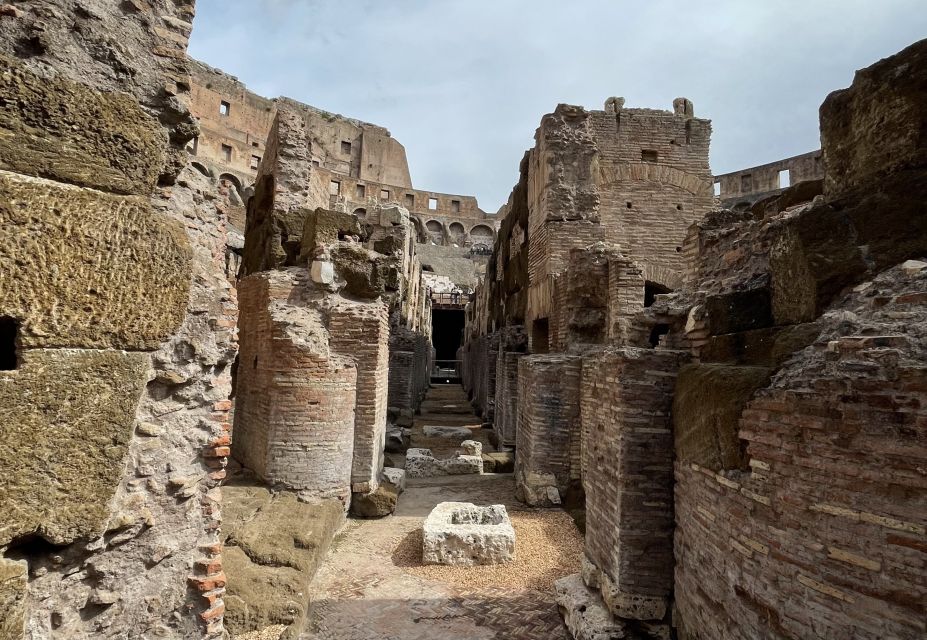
547 450
800 507
112 262
824 534
627 448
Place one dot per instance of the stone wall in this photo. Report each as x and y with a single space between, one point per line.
112 273
740 189
233 117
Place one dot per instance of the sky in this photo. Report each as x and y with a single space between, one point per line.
462 84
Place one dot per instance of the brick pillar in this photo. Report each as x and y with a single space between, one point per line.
628 478
361 332
547 439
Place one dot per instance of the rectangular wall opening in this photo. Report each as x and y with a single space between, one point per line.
717 187
334 188
785 178
224 108
447 327
360 191
746 183
432 203
226 153
649 155
540 336
346 147
9 337
410 201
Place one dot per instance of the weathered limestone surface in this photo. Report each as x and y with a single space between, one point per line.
460 533
584 613
421 463
68 418
14 578
875 127
66 131
111 244
274 544
707 405
119 277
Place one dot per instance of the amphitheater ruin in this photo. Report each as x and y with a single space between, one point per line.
255 384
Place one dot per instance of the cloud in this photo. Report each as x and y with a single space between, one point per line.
463 83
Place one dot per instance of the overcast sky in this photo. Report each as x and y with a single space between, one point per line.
462 84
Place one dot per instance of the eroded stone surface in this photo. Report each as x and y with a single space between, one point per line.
63 451
584 613
59 129
119 275
421 463
462 533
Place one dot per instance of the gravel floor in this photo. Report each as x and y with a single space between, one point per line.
268 633
547 547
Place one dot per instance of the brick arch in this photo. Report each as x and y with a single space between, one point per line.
491 235
650 172
662 275
199 166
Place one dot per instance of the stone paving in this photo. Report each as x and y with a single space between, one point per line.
365 592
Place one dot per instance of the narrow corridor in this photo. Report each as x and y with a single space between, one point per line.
374 586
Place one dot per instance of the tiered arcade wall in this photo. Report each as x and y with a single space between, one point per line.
233 117
119 330
742 188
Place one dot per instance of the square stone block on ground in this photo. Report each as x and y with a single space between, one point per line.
461 533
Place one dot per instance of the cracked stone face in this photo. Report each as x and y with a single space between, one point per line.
461 533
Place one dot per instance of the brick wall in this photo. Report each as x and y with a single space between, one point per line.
361 332
817 540
547 455
294 418
627 469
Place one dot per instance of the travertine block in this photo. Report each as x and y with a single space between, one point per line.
118 275
58 129
461 533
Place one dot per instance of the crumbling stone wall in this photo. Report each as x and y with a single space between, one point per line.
112 268
804 518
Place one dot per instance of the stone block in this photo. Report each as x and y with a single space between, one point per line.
326 227
116 275
760 347
421 463
375 504
367 274
393 215
707 405
739 311
584 613
461 533
499 462
274 544
876 125
395 477
451 433
14 585
54 128
63 452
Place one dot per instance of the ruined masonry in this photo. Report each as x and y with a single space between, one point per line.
220 316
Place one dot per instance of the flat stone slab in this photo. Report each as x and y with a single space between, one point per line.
421 463
451 433
461 533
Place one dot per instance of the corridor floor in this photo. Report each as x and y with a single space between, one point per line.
374 586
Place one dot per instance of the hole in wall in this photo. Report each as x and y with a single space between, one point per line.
658 332
652 290
9 338
540 336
